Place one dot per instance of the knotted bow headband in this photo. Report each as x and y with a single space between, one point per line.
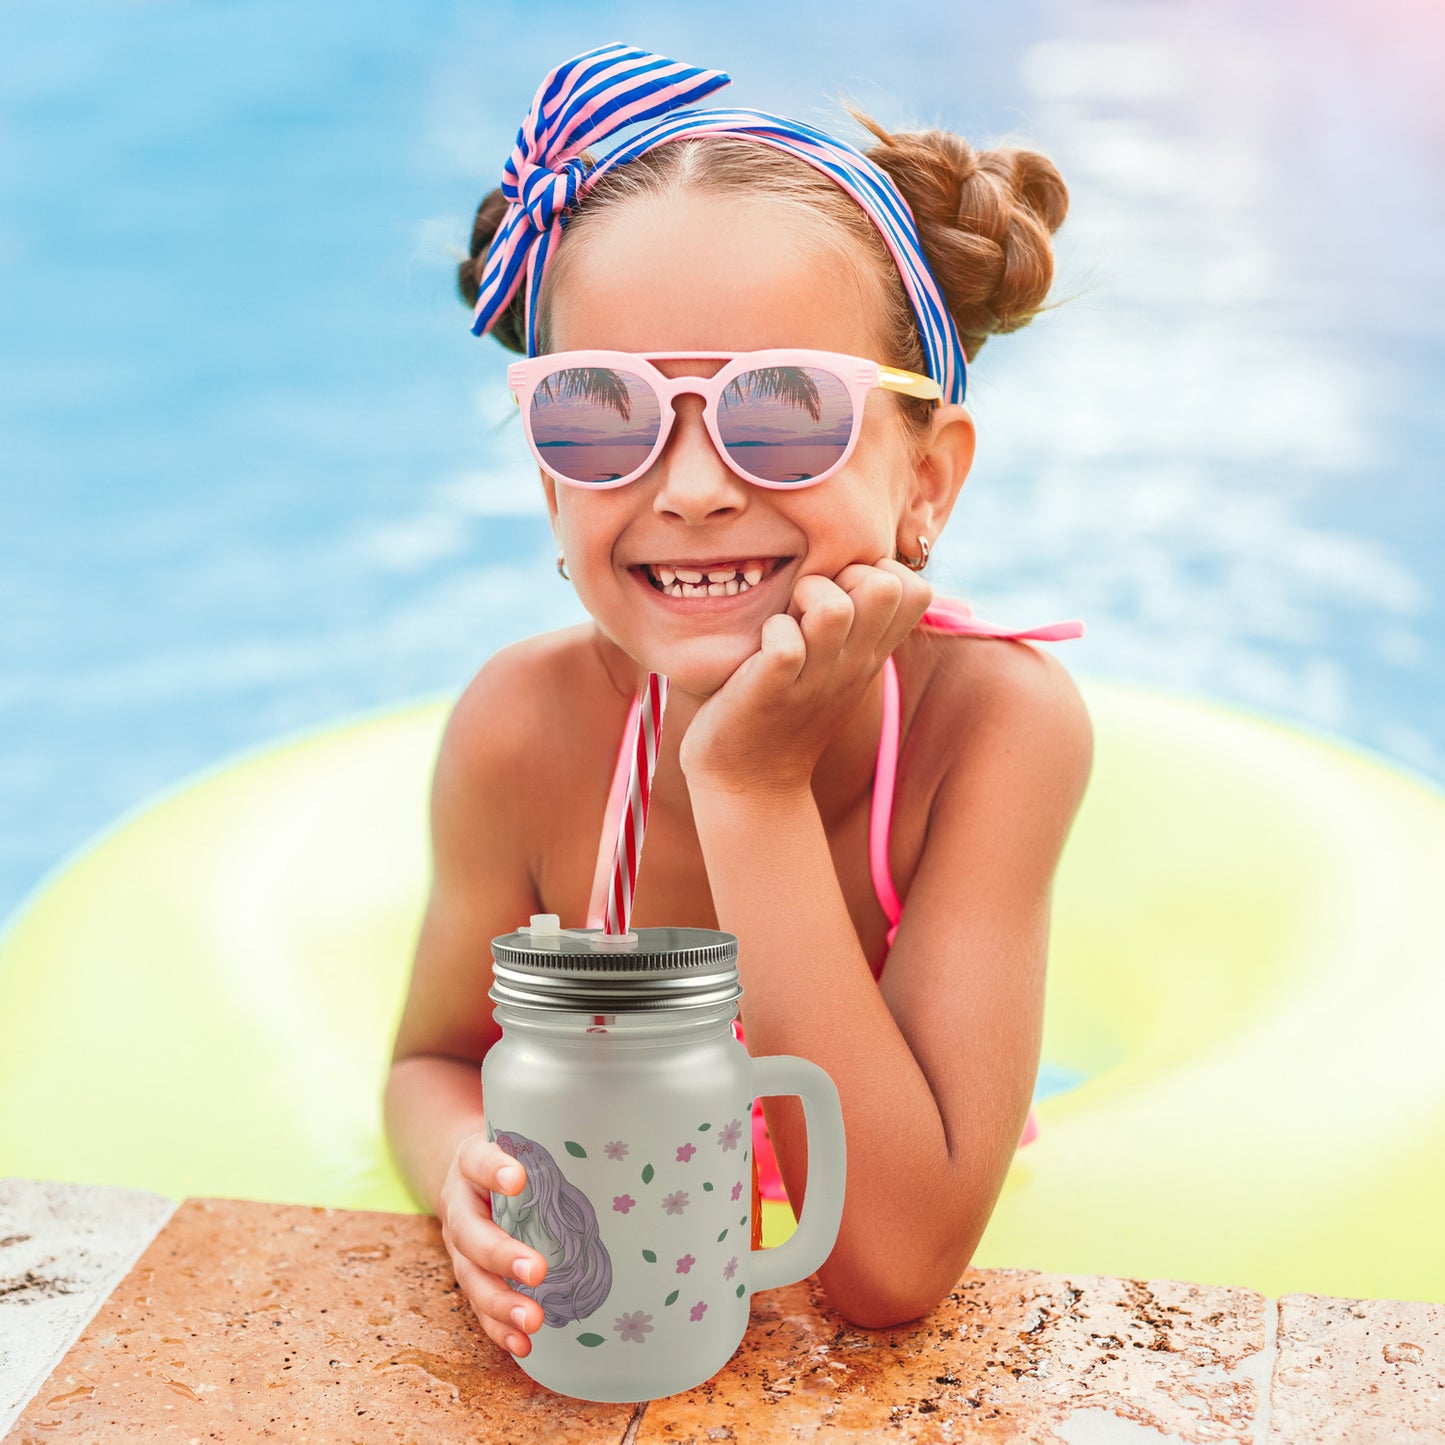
593 96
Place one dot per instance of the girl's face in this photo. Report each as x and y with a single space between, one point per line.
708 273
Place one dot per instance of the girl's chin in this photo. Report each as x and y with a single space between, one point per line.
702 666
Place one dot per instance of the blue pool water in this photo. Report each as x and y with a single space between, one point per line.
255 474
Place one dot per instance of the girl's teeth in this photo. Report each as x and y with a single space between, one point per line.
721 582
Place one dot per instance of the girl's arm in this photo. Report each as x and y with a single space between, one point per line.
935 1067
481 887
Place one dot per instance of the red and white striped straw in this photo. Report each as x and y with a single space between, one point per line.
634 816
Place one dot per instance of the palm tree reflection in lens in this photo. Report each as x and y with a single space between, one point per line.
599 384
790 384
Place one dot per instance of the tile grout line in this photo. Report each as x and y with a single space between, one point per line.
633 1425
1270 1354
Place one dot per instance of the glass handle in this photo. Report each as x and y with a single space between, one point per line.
812 1242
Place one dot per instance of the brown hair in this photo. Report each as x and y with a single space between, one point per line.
985 219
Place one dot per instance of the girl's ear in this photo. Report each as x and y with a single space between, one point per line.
938 476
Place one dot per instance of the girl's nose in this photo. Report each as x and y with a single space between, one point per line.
694 483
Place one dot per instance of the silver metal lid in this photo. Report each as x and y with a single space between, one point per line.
586 971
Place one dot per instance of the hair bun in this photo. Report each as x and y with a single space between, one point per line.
510 328
985 219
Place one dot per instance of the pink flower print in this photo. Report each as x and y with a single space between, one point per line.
676 1202
730 1268
699 1310
621 1203
685 1264
615 1150
634 1326
685 1153
729 1133
737 1190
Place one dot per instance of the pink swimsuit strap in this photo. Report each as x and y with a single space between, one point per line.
945 615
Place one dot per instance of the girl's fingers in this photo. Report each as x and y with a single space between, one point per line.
914 597
490 1247
826 617
478 1287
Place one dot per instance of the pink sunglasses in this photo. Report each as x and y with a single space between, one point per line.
780 418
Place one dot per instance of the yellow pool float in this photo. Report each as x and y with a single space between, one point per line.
1247 980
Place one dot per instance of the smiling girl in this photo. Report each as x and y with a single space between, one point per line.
746 358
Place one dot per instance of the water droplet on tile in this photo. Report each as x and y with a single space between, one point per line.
1403 1354
367 1251
83 1393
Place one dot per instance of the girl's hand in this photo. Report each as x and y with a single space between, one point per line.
769 723
483 1254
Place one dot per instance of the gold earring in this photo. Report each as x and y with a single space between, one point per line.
562 567
916 564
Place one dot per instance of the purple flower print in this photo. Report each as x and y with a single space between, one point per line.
685 1153
727 1136
621 1203
730 1268
685 1264
699 1310
634 1326
615 1150
737 1190
676 1202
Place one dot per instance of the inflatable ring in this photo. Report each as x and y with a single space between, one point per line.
1246 989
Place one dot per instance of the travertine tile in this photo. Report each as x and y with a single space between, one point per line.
1357 1372
63 1248
249 1321
1010 1356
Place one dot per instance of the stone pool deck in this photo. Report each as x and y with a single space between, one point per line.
126 1316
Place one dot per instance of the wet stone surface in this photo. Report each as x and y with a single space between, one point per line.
1353 1372
1010 1356
63 1248
246 1321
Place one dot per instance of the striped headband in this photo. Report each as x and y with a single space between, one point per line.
593 96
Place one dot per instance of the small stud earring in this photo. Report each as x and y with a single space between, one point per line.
916 564
562 567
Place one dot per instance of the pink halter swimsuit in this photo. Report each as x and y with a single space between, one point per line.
943 616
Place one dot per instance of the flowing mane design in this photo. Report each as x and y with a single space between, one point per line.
558 1221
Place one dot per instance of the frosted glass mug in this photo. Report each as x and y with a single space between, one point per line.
620 1086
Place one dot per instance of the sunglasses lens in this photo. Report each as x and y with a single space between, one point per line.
785 423
594 423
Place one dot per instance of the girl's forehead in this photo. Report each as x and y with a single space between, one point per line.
709 273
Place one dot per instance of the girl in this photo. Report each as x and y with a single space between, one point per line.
743 492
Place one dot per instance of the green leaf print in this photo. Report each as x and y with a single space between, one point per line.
742 1288
591 1340
672 1298
647 1174
575 1149
649 1256
707 1184
703 1128
722 1236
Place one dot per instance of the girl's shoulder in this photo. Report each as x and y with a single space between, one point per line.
523 714
971 694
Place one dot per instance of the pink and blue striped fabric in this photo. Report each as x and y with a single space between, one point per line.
616 87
